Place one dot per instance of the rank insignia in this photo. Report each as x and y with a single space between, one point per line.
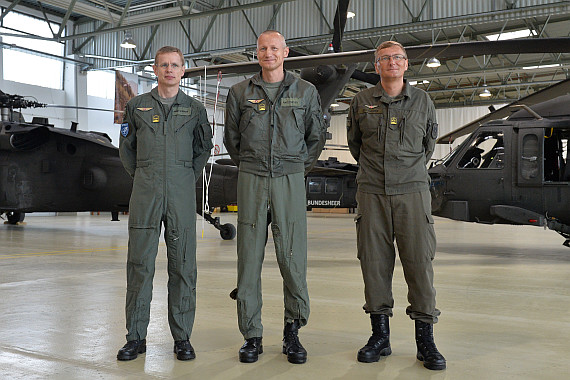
155 118
144 108
125 129
393 120
261 106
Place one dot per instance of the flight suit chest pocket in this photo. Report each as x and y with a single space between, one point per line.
300 119
183 140
371 119
146 137
412 130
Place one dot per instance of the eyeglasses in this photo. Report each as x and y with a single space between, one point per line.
395 57
165 66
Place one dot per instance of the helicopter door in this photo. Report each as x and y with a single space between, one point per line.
530 165
479 177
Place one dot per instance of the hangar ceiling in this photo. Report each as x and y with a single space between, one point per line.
456 82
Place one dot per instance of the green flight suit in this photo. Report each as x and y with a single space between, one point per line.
392 139
164 152
275 142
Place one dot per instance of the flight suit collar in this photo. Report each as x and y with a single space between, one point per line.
380 93
178 100
287 81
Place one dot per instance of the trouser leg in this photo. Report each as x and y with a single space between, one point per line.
415 237
289 227
181 251
251 237
375 243
143 246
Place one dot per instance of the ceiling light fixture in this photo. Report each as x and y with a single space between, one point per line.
128 42
350 14
485 93
433 62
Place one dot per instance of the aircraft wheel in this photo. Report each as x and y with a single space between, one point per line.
15 217
227 231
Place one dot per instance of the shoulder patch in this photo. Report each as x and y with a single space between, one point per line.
125 129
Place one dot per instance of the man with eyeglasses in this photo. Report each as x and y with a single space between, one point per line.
165 143
392 130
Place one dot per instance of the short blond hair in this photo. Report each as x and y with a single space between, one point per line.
387 44
168 49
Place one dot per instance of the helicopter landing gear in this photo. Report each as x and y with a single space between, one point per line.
15 217
227 231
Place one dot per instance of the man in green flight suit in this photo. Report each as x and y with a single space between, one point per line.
164 145
391 133
274 132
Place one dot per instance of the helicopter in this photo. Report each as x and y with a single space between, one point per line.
512 171
47 169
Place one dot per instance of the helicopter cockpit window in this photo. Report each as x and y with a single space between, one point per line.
332 186
487 151
315 185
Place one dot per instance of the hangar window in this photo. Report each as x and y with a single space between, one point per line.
487 151
25 66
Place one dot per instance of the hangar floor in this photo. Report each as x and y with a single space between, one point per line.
504 293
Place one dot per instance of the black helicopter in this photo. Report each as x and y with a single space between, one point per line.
47 169
513 171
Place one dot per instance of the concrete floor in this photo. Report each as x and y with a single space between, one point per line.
504 292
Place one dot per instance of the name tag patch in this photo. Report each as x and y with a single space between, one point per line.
182 111
290 102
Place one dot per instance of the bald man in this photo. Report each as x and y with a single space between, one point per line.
274 132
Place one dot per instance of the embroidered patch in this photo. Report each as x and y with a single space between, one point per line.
434 131
261 106
255 101
290 102
125 129
144 108
369 107
393 121
182 111
155 118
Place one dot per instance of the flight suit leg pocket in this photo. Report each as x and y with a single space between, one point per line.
358 222
140 241
430 238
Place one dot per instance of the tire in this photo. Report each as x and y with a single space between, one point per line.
228 231
15 217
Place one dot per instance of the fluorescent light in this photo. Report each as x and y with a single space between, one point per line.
433 62
334 105
541 66
350 14
523 33
413 82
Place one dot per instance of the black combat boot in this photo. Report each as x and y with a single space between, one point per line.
296 354
249 352
379 343
184 350
132 349
427 351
